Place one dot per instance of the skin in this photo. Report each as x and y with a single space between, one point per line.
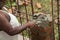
6 26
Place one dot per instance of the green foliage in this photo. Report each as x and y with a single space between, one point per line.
46 8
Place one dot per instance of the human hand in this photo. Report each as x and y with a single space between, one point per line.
31 24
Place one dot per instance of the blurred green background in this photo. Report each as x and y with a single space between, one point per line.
46 7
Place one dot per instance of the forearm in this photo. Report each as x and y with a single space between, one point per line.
18 30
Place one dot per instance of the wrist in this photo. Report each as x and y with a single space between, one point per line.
27 25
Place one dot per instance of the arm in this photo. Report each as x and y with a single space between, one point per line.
5 26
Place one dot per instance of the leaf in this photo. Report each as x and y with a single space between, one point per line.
38 5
